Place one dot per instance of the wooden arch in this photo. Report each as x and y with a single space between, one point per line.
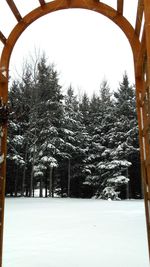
139 39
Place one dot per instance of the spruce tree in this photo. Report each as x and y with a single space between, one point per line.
49 122
127 133
74 136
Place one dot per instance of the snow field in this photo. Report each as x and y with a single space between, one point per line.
74 233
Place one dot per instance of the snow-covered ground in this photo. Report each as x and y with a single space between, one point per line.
74 233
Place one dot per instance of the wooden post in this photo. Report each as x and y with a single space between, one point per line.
3 125
146 117
142 140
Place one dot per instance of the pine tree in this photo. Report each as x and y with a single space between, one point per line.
127 133
101 121
125 99
49 122
74 135
15 156
36 117
71 148
84 107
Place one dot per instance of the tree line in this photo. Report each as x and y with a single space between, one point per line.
60 145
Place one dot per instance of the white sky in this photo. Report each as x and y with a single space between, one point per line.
85 47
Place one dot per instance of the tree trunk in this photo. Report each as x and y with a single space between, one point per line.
50 181
41 186
53 178
68 194
127 186
62 183
46 184
32 173
16 182
27 192
24 173
33 189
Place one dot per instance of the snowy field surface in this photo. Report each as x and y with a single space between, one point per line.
74 233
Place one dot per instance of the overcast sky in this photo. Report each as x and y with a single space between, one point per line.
85 47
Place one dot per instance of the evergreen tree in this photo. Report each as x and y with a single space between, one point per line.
127 134
85 109
101 121
125 99
71 148
49 122
36 117
74 136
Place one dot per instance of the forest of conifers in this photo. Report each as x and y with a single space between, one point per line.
63 145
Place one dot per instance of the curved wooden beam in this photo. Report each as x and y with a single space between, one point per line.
14 10
96 6
2 38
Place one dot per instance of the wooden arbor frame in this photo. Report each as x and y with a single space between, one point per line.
139 39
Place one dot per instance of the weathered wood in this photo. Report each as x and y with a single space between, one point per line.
14 9
2 38
120 6
42 2
141 55
2 186
146 77
147 35
139 15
